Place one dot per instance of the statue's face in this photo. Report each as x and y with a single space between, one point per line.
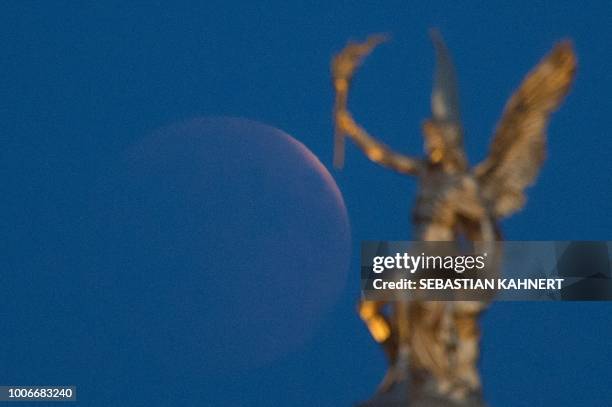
443 144
434 142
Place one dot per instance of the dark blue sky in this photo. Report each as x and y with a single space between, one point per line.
81 84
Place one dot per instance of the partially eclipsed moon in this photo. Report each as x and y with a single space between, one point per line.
226 242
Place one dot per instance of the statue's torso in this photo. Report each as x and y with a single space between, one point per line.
435 213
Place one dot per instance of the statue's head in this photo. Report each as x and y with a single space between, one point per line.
443 132
444 145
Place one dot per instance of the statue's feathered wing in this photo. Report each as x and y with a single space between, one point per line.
518 148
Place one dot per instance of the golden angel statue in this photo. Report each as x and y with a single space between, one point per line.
433 346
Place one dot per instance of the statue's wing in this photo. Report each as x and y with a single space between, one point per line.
519 144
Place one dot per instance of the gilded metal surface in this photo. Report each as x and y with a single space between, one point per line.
434 345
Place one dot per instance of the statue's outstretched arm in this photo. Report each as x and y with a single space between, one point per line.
344 65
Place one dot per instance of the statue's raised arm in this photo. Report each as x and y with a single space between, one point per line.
344 65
